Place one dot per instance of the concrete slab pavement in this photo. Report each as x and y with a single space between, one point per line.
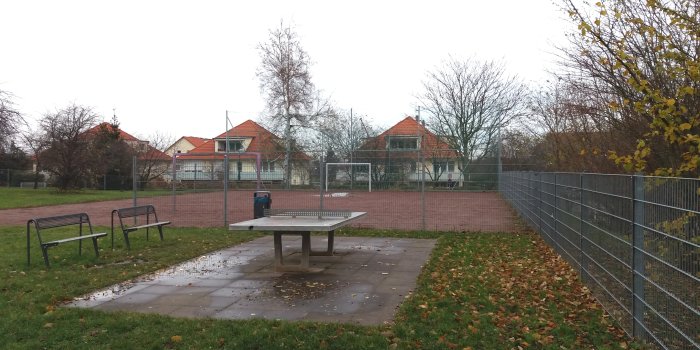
364 283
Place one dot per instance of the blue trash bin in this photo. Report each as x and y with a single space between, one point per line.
261 201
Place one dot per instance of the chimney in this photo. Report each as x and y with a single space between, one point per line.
422 122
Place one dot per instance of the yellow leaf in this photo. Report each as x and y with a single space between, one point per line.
684 126
176 338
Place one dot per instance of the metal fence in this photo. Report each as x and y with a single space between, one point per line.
15 177
399 190
634 239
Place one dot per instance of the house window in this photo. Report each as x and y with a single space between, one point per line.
438 167
233 146
403 143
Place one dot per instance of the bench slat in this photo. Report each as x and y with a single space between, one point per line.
134 228
59 241
136 211
63 220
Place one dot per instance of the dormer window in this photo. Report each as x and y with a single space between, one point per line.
233 146
403 143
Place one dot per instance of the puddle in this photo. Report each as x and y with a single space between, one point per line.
204 267
363 284
385 249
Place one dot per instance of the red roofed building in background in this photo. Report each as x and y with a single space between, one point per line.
185 144
401 153
141 147
152 163
247 142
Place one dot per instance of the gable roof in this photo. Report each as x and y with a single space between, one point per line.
431 144
150 153
155 154
122 134
261 140
195 141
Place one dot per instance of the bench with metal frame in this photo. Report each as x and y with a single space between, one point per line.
146 211
62 221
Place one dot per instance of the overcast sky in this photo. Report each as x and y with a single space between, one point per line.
175 67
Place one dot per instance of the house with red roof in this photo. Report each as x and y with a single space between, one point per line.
141 147
152 163
406 150
185 144
250 149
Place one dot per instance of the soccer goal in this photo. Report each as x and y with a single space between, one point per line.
349 175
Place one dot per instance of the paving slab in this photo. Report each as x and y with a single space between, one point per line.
363 283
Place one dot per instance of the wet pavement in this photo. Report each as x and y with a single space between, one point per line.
363 283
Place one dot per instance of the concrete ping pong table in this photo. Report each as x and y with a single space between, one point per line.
299 222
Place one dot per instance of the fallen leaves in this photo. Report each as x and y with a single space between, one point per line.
488 289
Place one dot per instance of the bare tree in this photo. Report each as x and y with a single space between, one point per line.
344 132
10 120
67 156
36 143
152 161
468 103
286 82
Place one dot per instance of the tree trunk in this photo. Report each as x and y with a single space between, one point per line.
287 150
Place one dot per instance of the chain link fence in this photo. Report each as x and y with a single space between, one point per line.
400 190
634 239
20 178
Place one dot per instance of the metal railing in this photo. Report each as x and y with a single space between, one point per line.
634 239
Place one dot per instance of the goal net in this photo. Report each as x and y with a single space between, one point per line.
348 176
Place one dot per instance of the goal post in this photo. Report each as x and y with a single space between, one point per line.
369 172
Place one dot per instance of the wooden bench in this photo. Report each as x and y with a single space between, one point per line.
147 211
62 221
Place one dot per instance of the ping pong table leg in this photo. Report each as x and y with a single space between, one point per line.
331 236
278 250
329 250
303 266
305 249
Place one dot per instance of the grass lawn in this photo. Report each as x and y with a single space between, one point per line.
14 197
478 291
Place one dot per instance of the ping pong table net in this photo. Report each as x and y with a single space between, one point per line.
308 212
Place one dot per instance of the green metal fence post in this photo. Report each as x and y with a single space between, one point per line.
638 257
